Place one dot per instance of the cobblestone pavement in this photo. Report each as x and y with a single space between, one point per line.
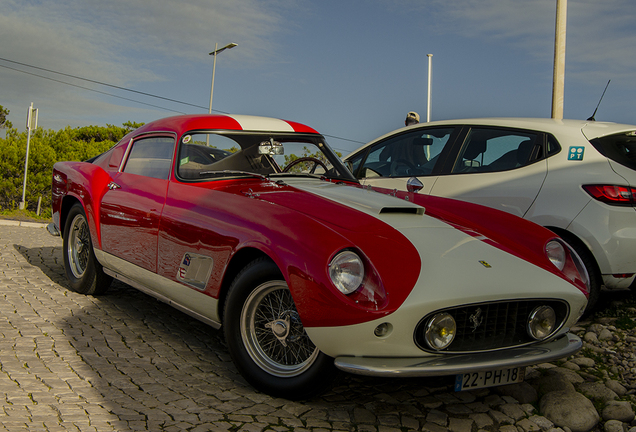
124 362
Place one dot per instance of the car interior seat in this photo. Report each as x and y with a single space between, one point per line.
468 162
524 152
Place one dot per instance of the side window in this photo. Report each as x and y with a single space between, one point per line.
151 157
489 150
553 146
410 154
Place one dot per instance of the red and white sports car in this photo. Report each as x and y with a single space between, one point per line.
254 224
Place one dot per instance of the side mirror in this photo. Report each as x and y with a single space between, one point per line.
414 185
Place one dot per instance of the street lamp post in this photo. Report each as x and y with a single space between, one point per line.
216 51
558 79
428 97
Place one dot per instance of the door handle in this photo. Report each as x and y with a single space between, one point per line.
112 185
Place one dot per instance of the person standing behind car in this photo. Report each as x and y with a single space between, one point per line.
412 118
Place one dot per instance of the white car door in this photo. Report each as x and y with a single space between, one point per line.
498 168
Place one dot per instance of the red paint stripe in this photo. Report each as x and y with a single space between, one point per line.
299 127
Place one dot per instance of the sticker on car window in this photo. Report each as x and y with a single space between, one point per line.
184 161
576 153
186 139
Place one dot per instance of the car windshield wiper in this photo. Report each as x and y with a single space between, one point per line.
295 174
231 173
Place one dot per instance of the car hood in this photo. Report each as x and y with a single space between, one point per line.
443 233
396 212
407 211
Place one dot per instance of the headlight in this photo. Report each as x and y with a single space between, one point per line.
541 322
556 253
440 331
346 271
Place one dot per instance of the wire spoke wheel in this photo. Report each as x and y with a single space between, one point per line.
78 248
273 334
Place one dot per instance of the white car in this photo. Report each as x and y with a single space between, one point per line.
576 178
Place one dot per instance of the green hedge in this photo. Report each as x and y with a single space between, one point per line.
45 148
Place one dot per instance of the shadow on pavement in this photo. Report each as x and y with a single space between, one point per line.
153 364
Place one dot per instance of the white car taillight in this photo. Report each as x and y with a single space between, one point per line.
612 194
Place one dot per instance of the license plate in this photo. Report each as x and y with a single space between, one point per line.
475 380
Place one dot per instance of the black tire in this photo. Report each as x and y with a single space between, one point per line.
85 274
266 338
593 272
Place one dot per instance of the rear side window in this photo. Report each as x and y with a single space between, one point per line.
489 150
620 148
553 147
151 157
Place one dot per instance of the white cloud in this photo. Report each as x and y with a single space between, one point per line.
597 43
124 42
113 32
168 28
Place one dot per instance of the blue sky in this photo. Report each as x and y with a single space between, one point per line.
351 69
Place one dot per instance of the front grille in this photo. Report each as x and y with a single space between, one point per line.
491 326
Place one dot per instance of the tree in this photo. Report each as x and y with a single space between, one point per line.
46 148
308 166
4 113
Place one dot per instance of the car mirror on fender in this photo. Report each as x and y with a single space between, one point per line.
414 185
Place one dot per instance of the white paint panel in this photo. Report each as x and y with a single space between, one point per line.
371 203
255 123
511 191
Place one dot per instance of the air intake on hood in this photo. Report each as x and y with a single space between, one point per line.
403 210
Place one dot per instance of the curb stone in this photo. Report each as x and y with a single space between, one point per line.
27 224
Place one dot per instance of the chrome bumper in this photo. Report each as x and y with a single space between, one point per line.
452 364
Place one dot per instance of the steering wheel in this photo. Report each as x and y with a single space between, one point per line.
402 162
307 159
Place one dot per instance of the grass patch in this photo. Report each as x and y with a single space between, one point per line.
26 215
625 323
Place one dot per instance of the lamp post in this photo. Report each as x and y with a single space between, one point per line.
428 97
216 51
558 79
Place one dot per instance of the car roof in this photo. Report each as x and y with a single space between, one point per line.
184 123
590 128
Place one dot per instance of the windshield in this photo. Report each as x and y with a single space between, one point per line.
205 155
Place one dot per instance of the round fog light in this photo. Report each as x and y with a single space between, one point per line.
541 322
440 331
